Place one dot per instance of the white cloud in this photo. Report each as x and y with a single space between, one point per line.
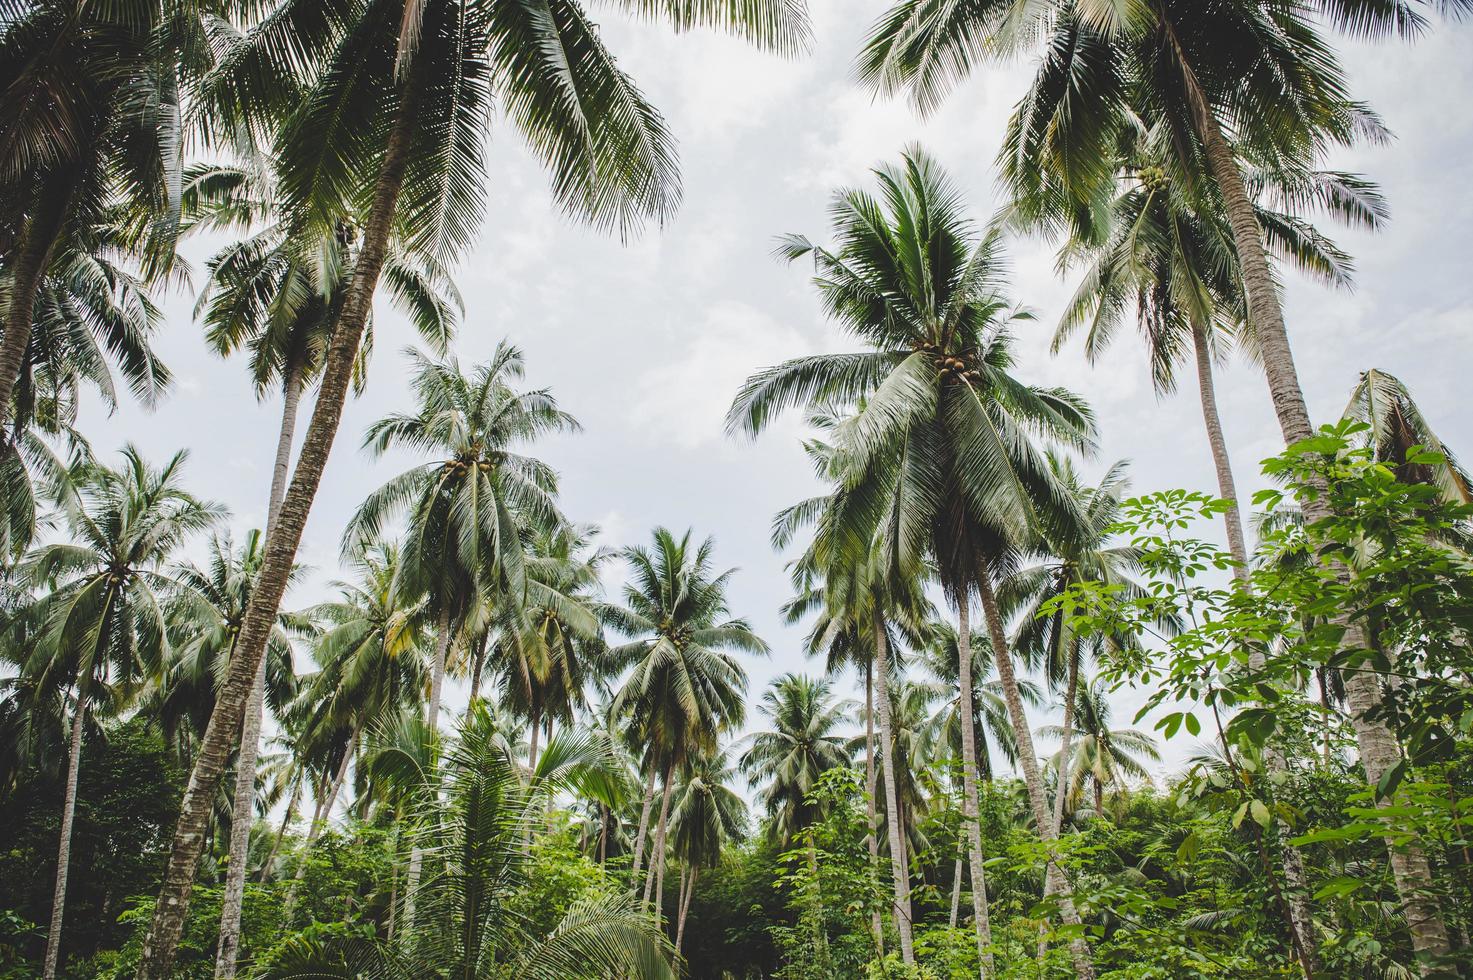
683 401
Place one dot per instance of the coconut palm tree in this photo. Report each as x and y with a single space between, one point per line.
98 626
685 685
1259 70
940 457
1104 758
800 746
92 98
706 815
468 507
1166 254
398 98
1396 424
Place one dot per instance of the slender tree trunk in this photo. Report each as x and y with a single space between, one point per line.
1066 760
653 880
971 806
318 825
1325 712
956 878
1226 486
1028 761
872 839
1378 747
286 821
291 397
899 868
690 890
242 816
162 940
27 273
532 740
64 849
644 825
477 666
1293 864
437 678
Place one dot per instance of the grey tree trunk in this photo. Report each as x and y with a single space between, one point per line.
162 940
242 816
1028 762
956 881
1226 486
872 840
1378 748
690 890
1066 760
899 868
971 806
286 821
437 678
653 880
644 826
243 812
64 848
27 273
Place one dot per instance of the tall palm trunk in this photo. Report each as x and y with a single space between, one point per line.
437 677
1377 744
536 730
690 889
242 816
243 813
956 878
1066 759
1379 750
64 849
320 823
1028 761
877 924
162 940
28 271
971 806
1226 486
1293 864
899 868
654 879
644 825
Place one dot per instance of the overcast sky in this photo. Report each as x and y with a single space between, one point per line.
646 343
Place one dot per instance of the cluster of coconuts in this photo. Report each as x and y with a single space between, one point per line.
460 466
953 368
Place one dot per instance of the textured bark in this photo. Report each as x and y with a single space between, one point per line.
653 879
1066 760
956 881
64 848
970 805
899 868
872 840
690 890
1378 748
644 825
291 397
242 816
1226 486
28 271
162 940
1028 761
437 677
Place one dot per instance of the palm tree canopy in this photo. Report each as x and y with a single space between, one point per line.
799 747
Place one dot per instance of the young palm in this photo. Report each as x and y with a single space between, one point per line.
800 746
99 622
1104 758
398 98
707 814
467 508
940 458
685 685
